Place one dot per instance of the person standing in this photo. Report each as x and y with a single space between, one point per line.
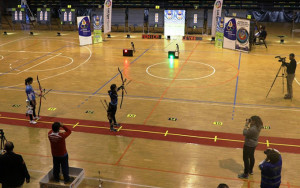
251 134
13 170
31 101
291 68
271 169
113 105
59 151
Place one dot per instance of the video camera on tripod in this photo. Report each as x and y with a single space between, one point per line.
281 59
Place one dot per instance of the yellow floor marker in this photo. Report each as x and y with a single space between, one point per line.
268 144
166 133
75 125
119 128
215 138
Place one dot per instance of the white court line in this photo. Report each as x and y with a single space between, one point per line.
39 63
14 41
104 180
176 101
25 51
72 60
90 52
1 57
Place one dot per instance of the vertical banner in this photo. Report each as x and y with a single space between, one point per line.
242 35
97 23
84 30
216 13
229 33
174 22
107 15
219 33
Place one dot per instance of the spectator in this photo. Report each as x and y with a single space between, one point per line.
251 140
59 151
271 169
13 168
222 185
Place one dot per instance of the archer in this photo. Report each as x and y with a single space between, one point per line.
31 102
113 105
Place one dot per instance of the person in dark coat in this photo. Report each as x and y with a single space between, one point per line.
13 170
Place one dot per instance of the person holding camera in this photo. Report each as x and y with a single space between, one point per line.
271 169
13 170
291 68
59 151
251 132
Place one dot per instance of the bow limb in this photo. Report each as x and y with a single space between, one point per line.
123 81
41 94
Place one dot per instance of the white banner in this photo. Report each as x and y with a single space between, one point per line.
242 34
174 22
84 30
229 33
216 13
107 15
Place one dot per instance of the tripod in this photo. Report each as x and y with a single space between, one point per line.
282 75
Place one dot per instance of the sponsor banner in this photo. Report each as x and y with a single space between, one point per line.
219 33
107 15
191 38
97 23
84 30
174 22
216 13
242 34
229 33
145 36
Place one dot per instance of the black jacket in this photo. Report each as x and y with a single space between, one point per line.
13 170
291 67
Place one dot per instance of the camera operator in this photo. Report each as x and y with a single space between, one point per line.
13 168
291 68
271 169
251 134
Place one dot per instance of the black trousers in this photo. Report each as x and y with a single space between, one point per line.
62 162
249 160
112 109
33 109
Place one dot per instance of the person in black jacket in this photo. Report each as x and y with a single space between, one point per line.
112 108
13 170
291 68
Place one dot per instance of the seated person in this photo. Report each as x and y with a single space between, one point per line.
261 35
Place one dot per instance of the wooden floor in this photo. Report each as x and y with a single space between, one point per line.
205 85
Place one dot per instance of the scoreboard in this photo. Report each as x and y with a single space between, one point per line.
18 15
67 16
43 15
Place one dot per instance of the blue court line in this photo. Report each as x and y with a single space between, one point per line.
169 99
236 86
116 75
32 61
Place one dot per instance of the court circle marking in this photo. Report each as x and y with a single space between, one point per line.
72 60
1 57
58 74
214 70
